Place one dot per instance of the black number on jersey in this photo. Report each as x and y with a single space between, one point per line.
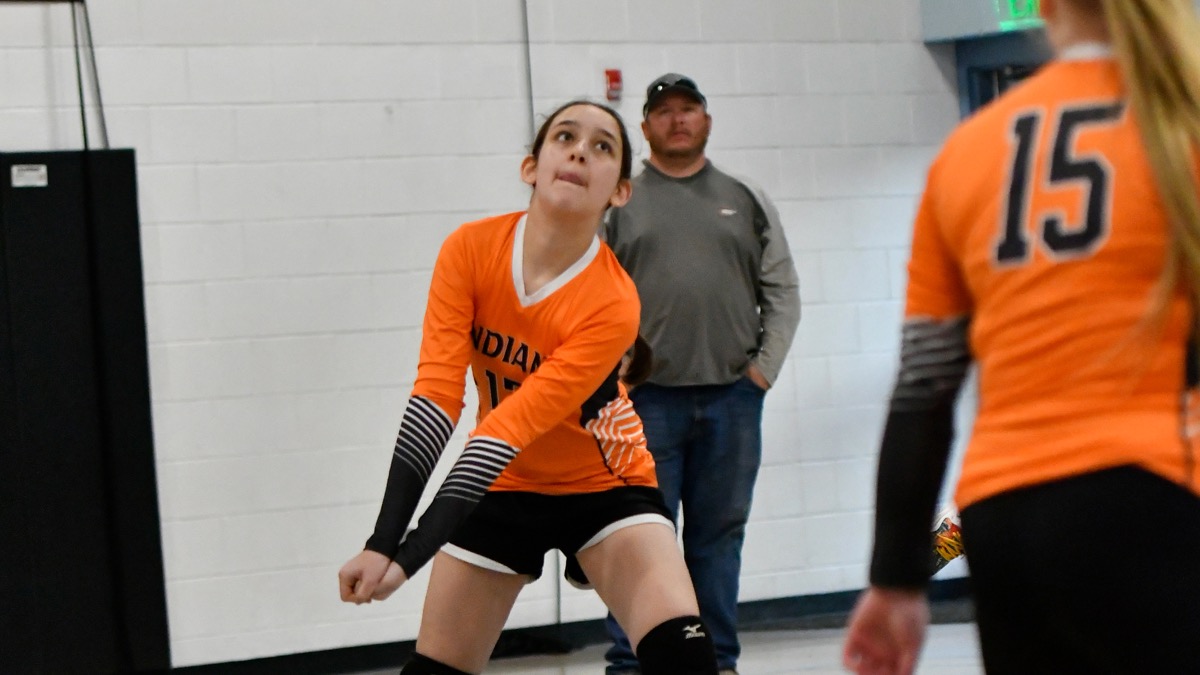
1092 173
494 387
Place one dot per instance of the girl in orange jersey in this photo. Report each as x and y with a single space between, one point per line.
542 312
1058 245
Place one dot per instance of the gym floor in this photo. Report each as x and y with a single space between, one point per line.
950 649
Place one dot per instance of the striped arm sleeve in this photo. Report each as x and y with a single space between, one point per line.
424 432
934 358
476 469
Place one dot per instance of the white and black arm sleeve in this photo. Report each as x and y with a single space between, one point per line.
469 479
934 358
425 430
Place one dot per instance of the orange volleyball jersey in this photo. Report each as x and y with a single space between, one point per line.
544 364
1042 222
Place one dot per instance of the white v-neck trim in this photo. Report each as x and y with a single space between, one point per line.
518 268
1086 51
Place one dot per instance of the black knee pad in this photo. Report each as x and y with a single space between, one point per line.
679 646
420 664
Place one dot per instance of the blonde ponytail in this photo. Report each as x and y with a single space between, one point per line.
1157 45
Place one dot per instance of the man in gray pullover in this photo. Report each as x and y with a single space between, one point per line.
720 305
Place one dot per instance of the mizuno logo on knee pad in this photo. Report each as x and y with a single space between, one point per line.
670 648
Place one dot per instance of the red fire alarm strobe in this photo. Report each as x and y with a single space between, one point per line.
612 84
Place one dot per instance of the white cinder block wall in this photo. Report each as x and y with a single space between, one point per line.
835 107
300 162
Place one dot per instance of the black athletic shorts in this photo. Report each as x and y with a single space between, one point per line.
512 531
1095 573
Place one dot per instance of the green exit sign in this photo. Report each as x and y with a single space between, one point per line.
1014 15
965 19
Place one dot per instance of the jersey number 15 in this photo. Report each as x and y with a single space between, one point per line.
1092 173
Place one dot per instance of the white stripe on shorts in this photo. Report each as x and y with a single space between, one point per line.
476 559
624 523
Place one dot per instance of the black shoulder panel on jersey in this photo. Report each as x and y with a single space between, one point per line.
604 394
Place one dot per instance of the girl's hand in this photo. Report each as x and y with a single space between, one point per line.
885 632
393 580
361 575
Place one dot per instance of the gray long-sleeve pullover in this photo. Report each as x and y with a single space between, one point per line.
714 272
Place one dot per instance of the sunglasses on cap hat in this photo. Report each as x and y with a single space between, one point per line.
671 82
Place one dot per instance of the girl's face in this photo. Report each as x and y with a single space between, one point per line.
578 167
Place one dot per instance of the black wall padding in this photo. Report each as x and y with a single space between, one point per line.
81 572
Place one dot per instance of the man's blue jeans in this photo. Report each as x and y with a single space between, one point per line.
707 447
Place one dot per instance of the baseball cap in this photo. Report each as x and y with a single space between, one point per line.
671 82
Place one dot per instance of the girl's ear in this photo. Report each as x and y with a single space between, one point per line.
620 196
529 171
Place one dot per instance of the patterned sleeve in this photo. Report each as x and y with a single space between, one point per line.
934 357
424 432
437 400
